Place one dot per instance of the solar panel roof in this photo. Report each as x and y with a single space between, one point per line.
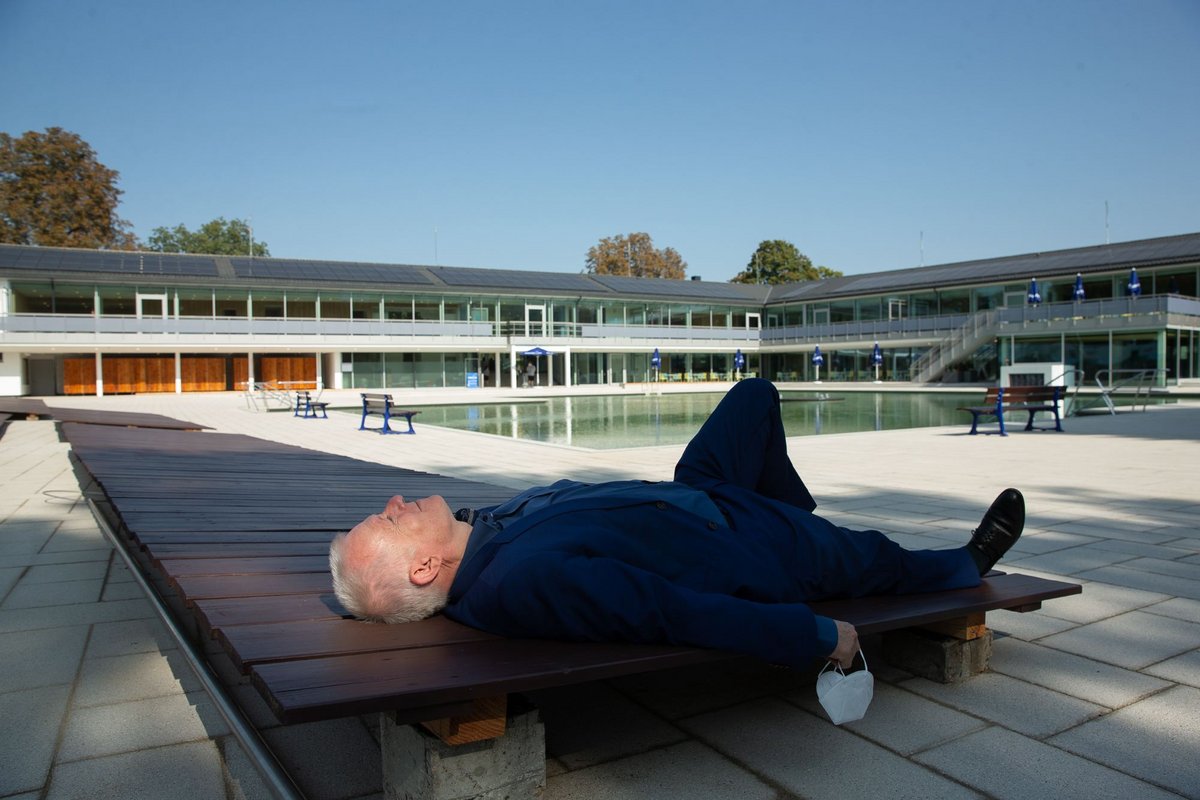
61 259
330 271
696 290
518 279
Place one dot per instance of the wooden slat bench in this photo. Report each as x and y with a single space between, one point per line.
1004 399
308 408
236 529
381 405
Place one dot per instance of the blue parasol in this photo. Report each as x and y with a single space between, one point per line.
739 361
877 355
1135 286
1034 297
1079 294
656 359
537 351
817 358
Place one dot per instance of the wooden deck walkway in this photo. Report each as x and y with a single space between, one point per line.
239 528
19 407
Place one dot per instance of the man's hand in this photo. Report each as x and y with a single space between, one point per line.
847 645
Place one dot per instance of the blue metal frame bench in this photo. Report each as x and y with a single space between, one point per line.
1031 399
382 405
307 407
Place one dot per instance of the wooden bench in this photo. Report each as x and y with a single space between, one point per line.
307 407
255 578
1032 399
382 405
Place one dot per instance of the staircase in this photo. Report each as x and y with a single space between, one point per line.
981 327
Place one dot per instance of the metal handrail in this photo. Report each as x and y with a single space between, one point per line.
1141 381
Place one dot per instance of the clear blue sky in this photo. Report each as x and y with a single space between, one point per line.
525 131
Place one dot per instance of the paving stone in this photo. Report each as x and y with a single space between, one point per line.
812 758
8 579
1018 768
1100 601
1132 640
900 720
1084 678
1148 581
1070 560
1168 551
1162 566
591 723
81 614
178 772
27 737
66 557
121 591
1183 668
1038 542
1177 607
1167 736
45 657
139 676
75 539
127 637
241 777
1023 707
308 750
1029 625
57 573
125 727
683 772
35 595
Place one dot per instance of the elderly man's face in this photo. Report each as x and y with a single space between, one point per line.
426 520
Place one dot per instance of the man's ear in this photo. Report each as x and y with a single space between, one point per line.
424 570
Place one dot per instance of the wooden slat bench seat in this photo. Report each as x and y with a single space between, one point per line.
1000 400
238 532
381 405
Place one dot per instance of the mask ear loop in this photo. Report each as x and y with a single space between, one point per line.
838 666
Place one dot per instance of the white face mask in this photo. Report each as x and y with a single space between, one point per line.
845 698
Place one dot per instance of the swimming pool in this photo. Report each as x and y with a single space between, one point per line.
615 421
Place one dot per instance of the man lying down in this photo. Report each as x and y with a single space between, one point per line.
726 556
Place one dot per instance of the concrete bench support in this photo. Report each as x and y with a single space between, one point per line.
946 652
417 764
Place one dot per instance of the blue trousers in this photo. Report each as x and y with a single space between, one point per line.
739 456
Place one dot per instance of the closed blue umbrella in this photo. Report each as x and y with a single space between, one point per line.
1079 293
1034 297
818 360
739 361
877 355
656 359
1135 286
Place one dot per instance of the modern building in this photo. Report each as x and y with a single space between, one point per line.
97 322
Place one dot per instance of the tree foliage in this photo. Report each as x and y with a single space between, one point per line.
634 255
219 237
778 261
54 192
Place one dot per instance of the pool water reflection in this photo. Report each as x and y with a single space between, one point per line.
607 422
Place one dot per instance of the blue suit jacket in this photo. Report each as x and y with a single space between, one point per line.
614 569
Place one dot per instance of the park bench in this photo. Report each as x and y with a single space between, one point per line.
381 405
1004 399
245 568
308 408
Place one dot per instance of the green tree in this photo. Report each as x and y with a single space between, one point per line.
634 255
219 237
779 261
54 192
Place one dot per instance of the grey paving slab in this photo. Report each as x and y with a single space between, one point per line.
307 751
1070 560
138 676
811 757
1009 766
1184 668
1177 607
1182 568
1023 707
1099 601
94 569
241 777
1149 581
128 637
899 720
1168 551
64 557
1073 675
685 771
177 772
126 590
80 614
1029 626
1133 640
592 723
35 595
1167 736
1036 542
125 727
45 657
8 579
80 539
28 735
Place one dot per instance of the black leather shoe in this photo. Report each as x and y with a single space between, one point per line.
999 530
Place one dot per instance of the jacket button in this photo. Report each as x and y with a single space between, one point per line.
660 505
712 526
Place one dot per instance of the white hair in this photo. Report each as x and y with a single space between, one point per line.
378 588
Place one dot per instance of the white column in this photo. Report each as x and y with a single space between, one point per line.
99 376
567 369
249 370
320 372
178 374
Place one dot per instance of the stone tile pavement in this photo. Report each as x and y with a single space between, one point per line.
1093 696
